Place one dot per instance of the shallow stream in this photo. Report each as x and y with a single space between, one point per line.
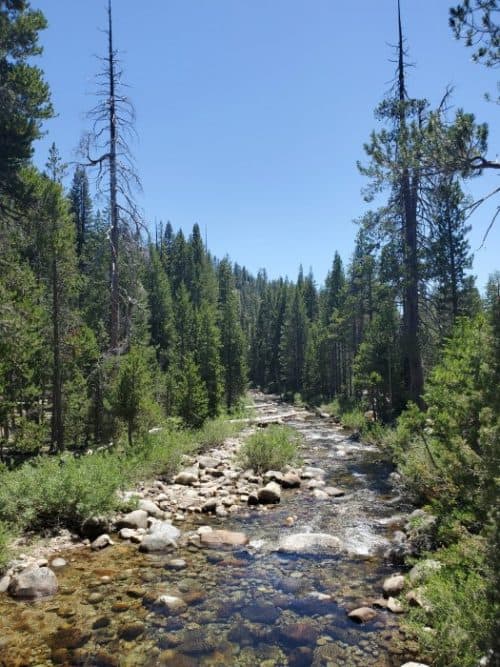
245 607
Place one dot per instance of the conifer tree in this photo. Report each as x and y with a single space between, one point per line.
81 207
294 341
232 339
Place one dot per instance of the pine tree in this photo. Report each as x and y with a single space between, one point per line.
294 341
161 309
81 207
232 339
132 388
193 398
24 97
207 356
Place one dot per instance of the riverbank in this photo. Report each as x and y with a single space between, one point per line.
316 559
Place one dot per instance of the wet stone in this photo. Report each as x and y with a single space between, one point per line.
131 631
101 622
298 634
260 612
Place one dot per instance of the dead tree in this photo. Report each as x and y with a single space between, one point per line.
113 120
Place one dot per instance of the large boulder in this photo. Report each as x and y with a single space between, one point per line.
393 585
362 614
162 536
290 480
269 494
135 519
221 538
309 543
186 477
151 508
33 582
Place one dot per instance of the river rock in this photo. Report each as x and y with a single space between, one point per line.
128 534
161 537
135 519
131 631
269 494
253 499
209 506
334 491
309 473
101 542
420 572
394 585
151 508
208 462
290 480
4 583
58 563
395 606
33 582
219 538
320 495
172 603
176 564
309 543
274 476
362 614
186 478
298 634
315 484
94 526
414 664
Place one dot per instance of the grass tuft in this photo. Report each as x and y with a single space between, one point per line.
270 449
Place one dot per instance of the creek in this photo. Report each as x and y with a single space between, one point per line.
246 606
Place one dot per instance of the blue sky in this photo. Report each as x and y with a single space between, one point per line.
251 114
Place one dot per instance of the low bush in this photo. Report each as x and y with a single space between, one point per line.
4 541
457 627
215 431
51 492
270 449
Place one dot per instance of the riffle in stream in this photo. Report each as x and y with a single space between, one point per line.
248 606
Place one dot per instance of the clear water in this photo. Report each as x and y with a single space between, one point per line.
245 607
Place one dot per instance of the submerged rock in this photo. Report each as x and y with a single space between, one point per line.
33 582
309 543
362 614
219 538
298 634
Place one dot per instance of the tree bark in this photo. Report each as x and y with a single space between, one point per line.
412 359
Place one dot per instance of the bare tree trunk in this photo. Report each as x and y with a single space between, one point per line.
115 231
412 360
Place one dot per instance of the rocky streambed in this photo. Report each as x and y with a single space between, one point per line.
223 567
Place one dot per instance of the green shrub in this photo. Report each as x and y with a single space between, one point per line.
270 449
354 420
215 431
54 492
459 614
4 540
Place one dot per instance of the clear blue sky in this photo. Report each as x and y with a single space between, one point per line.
251 114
